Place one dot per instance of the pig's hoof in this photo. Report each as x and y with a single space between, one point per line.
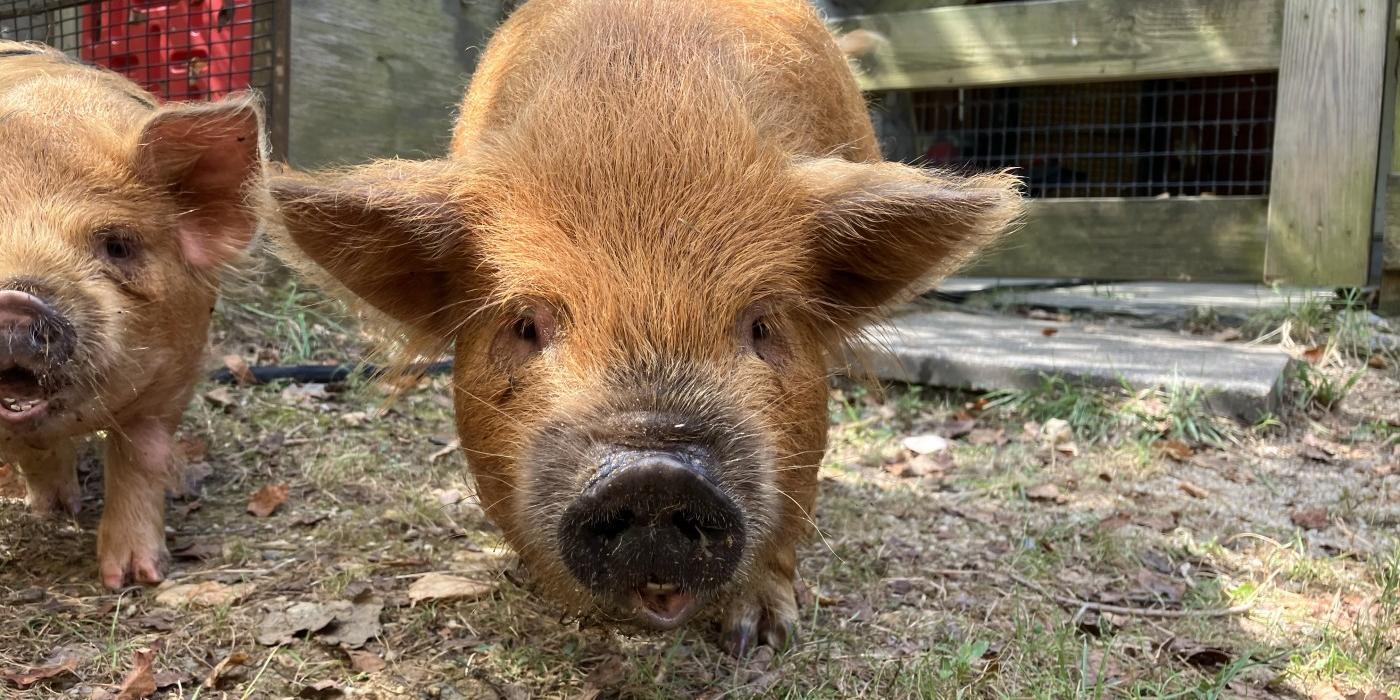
53 500
123 561
768 618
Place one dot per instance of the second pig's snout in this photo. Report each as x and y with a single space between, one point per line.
654 532
36 343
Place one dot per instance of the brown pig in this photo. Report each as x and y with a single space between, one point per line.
658 222
116 218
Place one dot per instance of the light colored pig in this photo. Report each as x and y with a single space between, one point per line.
658 222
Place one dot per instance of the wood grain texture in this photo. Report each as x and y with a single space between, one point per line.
1064 40
1182 238
379 78
1331 88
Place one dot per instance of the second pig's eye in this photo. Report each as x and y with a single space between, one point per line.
527 332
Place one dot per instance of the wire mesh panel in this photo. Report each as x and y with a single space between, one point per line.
179 50
1197 136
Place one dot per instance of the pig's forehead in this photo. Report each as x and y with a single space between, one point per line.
39 147
707 263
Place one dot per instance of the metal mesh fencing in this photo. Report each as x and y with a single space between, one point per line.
1196 136
179 50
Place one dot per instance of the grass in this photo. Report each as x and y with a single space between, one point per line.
909 592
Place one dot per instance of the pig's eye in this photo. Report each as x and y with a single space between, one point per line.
528 333
759 336
118 247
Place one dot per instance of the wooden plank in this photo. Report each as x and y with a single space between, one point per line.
377 78
1063 40
1182 238
1326 141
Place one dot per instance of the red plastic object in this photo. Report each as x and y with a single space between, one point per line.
185 50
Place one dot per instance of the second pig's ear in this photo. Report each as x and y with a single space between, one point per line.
886 232
210 158
391 232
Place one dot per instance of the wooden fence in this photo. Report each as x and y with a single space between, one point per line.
1325 220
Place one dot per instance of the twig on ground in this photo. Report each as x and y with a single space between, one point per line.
1131 612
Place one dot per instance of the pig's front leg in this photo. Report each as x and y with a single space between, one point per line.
131 536
51 477
766 612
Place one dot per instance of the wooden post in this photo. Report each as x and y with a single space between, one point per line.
1330 102
1389 220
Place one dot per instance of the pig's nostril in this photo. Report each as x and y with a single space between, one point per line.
656 518
610 527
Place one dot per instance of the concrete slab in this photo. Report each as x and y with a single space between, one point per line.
962 350
963 286
1170 299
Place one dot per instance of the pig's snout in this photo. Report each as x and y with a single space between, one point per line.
653 532
35 344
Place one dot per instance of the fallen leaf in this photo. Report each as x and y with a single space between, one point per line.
444 587
159 620
192 478
925 444
267 499
1046 492
282 626
1226 335
447 449
1198 654
1175 449
322 690
955 429
1048 331
194 449
607 674
11 483
362 661
198 551
140 683
220 397
1370 695
168 679
355 623
1378 362
354 419
1311 518
1055 432
206 594
51 668
237 658
1114 522
1193 490
988 436
1314 449
304 393
238 367
1069 449
1314 355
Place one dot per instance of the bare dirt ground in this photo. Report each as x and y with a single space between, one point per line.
1063 543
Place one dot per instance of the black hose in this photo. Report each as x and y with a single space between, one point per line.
323 374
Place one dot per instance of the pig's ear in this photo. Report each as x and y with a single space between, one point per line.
887 231
390 232
210 158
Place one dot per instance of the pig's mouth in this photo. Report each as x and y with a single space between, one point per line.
664 606
23 396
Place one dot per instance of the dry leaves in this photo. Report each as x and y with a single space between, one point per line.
1175 449
1046 492
235 659
220 397
362 661
444 587
1311 518
267 499
140 683
338 623
1313 449
53 667
206 594
238 367
925 444
1193 490
1314 355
